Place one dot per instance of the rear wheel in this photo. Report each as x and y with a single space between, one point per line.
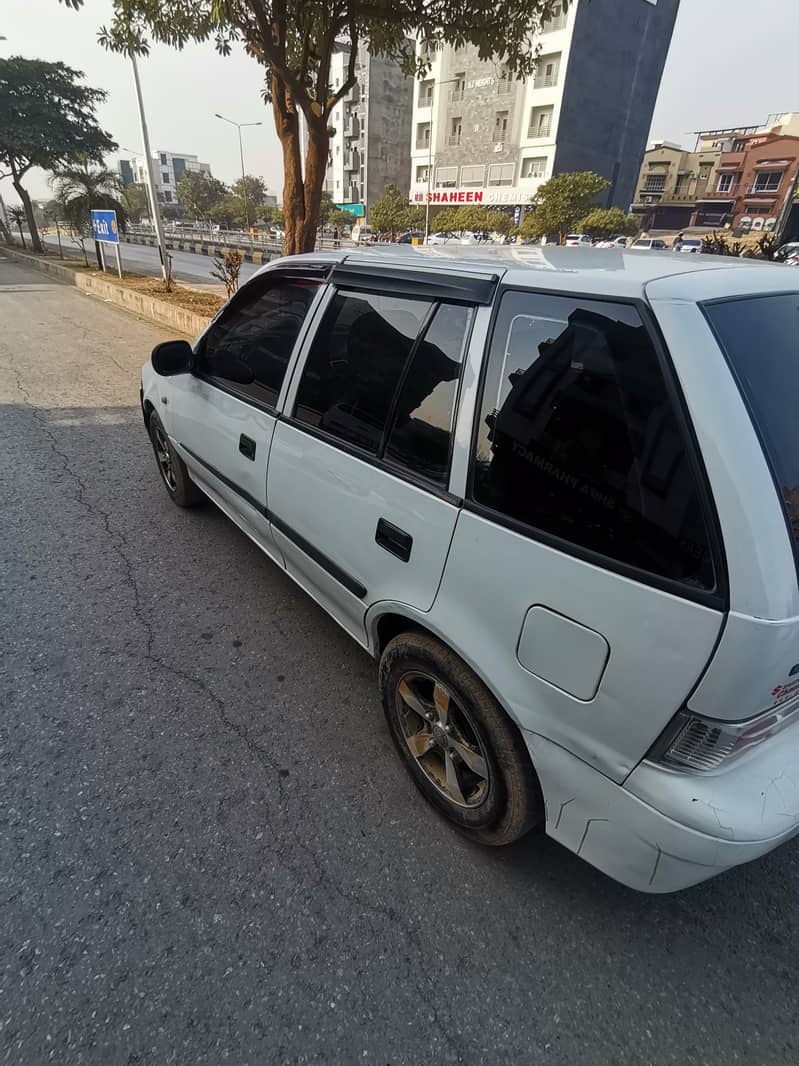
458 745
182 490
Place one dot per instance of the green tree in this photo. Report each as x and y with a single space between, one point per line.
229 211
414 217
294 41
47 119
17 215
136 201
389 214
561 202
339 219
608 222
446 221
252 193
82 188
326 208
198 192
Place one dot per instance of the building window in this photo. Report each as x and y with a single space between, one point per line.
540 122
681 185
500 126
768 181
163 159
556 21
426 89
501 173
422 175
446 177
423 135
655 183
534 166
547 70
739 146
504 82
165 177
167 197
455 128
456 92
473 177
726 183
704 171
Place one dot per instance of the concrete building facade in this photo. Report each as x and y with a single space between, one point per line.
169 168
481 136
373 124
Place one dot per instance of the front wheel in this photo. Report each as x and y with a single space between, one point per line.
182 490
458 745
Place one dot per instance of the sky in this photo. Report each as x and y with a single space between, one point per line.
714 78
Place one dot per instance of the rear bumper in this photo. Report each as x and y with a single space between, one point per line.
752 809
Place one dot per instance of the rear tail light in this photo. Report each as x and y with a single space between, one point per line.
696 744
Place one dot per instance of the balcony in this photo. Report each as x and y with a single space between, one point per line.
542 130
546 81
455 96
422 144
453 140
504 87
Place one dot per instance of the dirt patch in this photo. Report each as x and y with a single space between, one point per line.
196 300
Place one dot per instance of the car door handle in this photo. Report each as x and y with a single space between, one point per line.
247 447
394 540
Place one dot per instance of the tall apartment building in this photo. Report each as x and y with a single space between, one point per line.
169 168
373 128
479 135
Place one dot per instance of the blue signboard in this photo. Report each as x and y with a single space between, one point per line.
104 226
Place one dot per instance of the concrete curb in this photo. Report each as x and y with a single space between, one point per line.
138 303
201 248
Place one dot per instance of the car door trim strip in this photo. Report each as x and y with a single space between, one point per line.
350 583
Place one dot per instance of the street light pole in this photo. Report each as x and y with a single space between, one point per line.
239 126
151 185
436 84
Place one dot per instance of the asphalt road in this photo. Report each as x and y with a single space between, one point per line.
210 852
143 259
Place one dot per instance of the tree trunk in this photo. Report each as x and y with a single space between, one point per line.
300 197
22 235
21 192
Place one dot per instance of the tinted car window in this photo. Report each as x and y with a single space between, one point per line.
577 437
257 332
760 336
422 425
355 365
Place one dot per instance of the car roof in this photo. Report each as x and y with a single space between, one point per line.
594 271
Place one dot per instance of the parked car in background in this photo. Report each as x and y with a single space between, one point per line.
411 237
578 240
785 251
441 238
612 242
690 245
650 244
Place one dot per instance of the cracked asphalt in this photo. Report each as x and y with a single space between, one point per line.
209 851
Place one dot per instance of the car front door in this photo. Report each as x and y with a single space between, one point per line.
222 416
359 466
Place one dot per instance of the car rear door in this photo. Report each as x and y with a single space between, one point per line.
583 582
359 466
222 416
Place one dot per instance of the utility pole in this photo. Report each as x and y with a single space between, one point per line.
436 84
151 183
239 126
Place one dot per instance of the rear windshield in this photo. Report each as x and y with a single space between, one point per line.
760 336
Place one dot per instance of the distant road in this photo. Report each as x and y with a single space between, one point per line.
142 258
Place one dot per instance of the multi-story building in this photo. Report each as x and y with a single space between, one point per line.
169 168
757 179
481 136
373 126
742 176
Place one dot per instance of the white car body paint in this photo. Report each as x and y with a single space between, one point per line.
474 583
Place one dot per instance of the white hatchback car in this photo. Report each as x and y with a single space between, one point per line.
556 494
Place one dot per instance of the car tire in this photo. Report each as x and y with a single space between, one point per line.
463 752
181 489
